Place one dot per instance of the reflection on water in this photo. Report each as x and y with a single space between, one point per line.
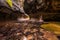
24 17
